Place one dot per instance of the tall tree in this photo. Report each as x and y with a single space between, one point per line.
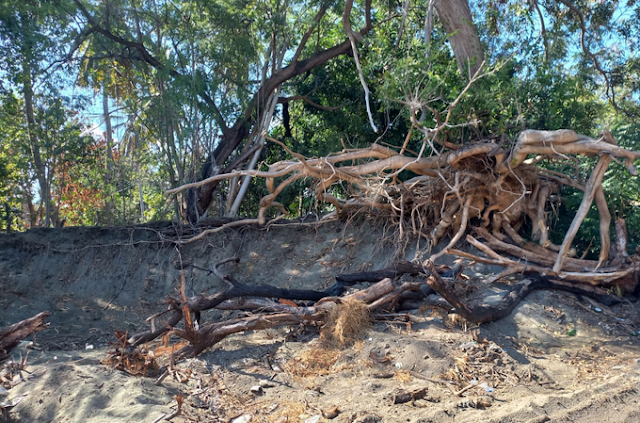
235 119
30 34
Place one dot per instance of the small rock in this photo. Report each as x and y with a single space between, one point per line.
331 413
365 418
257 390
313 419
245 418
266 384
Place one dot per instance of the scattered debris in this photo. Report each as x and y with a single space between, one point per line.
133 361
402 396
479 402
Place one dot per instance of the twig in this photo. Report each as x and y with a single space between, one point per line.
585 49
469 386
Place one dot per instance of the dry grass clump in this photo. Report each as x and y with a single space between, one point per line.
132 361
315 361
345 323
287 411
403 376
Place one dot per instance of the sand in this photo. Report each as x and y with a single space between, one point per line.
557 358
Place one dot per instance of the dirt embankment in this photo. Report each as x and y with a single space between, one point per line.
556 358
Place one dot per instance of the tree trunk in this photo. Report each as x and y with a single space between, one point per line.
202 197
33 139
108 136
456 18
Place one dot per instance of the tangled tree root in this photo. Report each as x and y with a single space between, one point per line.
481 193
483 188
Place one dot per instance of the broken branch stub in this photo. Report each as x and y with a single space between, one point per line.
11 336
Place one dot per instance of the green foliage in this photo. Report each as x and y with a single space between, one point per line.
209 58
14 161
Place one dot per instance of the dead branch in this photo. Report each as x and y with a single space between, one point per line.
482 313
11 336
215 332
590 191
236 289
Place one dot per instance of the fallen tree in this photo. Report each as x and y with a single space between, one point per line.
481 193
498 189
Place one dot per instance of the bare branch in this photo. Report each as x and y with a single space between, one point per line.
405 12
352 39
543 29
591 188
305 37
583 31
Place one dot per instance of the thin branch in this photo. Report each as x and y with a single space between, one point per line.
352 39
405 12
543 30
428 27
305 37
583 31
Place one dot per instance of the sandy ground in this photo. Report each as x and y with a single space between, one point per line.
557 358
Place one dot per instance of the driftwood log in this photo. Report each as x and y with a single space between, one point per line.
11 336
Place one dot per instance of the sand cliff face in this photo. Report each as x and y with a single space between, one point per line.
89 277
95 281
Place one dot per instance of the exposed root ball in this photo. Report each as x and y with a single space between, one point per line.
345 323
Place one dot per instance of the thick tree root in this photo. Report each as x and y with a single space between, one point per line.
484 313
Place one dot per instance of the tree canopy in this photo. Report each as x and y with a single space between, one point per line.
106 105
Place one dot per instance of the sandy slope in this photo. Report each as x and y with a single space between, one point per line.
95 281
